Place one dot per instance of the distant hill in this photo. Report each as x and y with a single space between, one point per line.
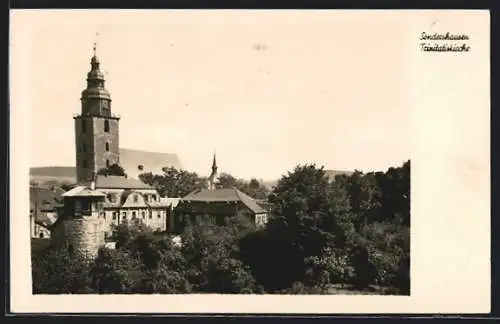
133 161
53 173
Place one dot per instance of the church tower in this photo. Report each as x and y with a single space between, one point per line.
96 129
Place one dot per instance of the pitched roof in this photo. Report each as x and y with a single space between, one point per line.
83 191
46 198
224 195
118 182
44 220
170 201
153 162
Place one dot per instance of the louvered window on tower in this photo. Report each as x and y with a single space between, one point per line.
106 126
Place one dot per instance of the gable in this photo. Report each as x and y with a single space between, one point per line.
134 199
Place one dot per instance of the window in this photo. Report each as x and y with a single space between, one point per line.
114 215
143 214
84 126
107 147
136 198
134 215
107 163
106 126
150 214
124 215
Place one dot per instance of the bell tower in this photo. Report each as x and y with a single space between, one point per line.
96 129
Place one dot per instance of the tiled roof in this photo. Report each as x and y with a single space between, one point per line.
44 220
153 162
223 195
47 198
170 201
118 182
83 191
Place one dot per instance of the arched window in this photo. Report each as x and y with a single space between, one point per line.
106 126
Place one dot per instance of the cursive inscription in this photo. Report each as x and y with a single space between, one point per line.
427 47
444 42
445 36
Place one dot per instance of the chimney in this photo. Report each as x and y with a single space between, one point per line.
92 182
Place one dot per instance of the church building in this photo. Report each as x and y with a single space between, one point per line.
97 147
96 128
217 206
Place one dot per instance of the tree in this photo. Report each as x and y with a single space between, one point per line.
304 222
112 170
213 257
116 271
227 181
173 182
59 270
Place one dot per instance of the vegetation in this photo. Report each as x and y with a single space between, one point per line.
179 183
350 234
112 170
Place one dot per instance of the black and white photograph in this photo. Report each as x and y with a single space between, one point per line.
232 153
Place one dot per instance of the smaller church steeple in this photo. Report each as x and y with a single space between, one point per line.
211 179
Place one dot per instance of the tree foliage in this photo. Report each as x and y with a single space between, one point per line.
173 182
353 232
112 170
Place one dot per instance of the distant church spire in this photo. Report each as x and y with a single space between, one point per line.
211 179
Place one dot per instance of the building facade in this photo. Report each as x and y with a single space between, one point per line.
128 200
218 206
96 128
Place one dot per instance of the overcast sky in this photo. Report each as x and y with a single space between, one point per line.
265 90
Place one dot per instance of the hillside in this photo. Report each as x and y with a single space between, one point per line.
53 173
130 160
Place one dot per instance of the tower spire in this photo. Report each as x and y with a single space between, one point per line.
211 179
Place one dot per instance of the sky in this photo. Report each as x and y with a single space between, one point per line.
265 91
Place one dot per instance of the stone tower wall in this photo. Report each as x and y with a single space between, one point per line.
91 145
86 235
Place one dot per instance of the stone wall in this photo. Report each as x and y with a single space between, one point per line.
85 235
